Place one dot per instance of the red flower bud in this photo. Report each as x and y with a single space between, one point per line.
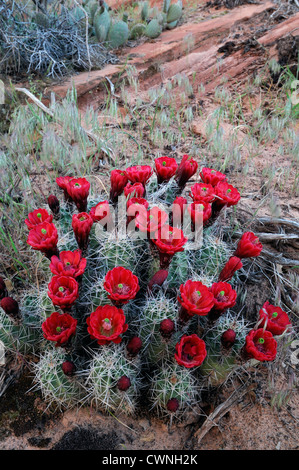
68 368
234 264
10 306
134 346
173 405
158 279
186 170
3 289
249 246
118 180
167 327
81 224
228 338
54 204
178 210
62 182
124 383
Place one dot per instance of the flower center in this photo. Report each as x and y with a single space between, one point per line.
229 191
106 324
58 329
151 217
44 231
221 293
67 263
77 185
120 286
82 219
261 340
164 163
38 215
204 189
61 289
274 314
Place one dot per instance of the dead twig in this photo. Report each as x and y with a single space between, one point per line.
214 418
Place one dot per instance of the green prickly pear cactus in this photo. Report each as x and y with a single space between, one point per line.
153 29
118 35
101 23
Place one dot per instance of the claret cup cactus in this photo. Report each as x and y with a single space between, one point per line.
141 292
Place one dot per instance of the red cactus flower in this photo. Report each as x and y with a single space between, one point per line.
59 328
173 405
224 297
211 176
157 279
123 383
68 263
134 190
167 327
202 192
190 351
228 338
101 213
259 345
168 240
3 288
200 212
68 368
226 195
139 173
249 246
134 346
63 291
10 306
81 224
37 217
54 205
195 299
44 238
165 168
187 168
106 324
62 182
151 221
118 180
133 208
121 284
78 189
233 264
178 211
274 319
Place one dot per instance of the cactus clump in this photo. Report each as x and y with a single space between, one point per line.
153 29
137 31
101 23
118 35
174 12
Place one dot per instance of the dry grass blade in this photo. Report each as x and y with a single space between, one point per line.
48 111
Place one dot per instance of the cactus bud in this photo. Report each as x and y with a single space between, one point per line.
68 368
167 328
134 346
10 306
123 383
54 204
228 338
173 405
